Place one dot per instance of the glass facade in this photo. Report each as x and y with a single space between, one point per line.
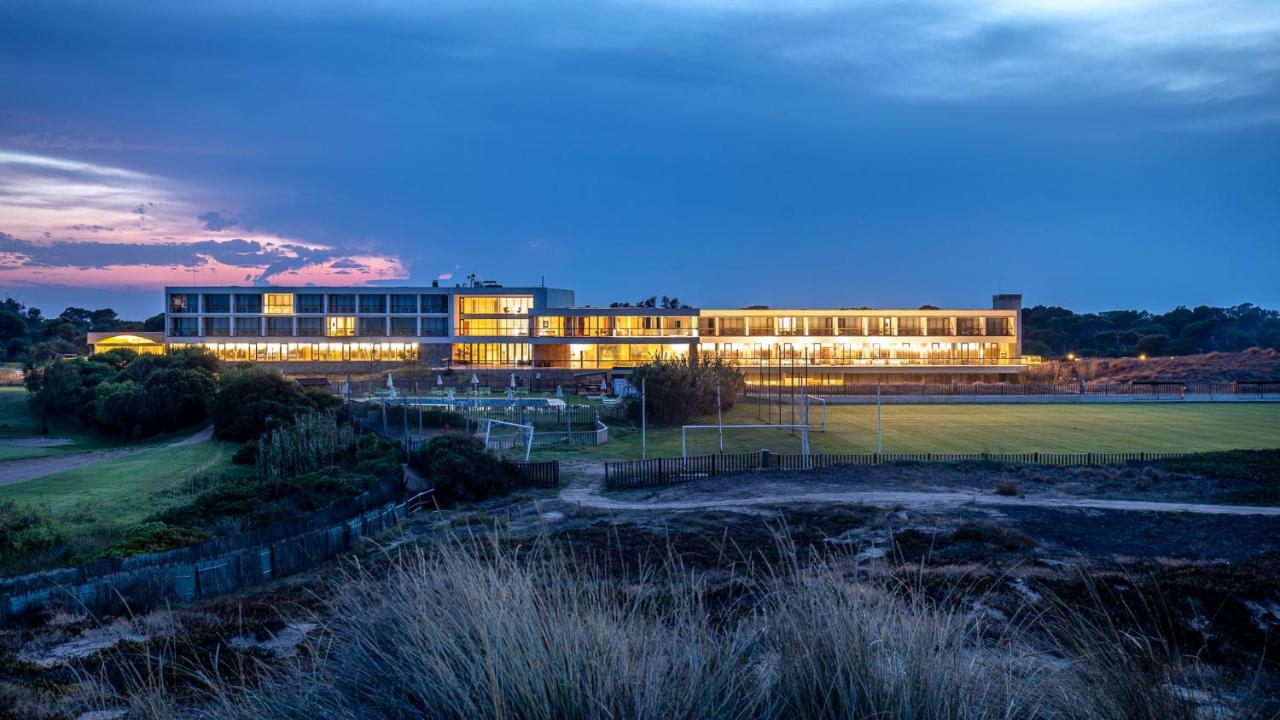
277 303
248 326
279 326
248 303
435 303
404 304
340 326
217 303
494 330
184 303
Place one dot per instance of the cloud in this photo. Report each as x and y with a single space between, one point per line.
213 220
121 227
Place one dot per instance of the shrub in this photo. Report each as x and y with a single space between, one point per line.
246 454
240 502
251 400
310 443
459 469
152 537
1007 487
24 531
677 391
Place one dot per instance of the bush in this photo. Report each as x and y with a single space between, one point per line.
152 537
248 502
252 400
246 454
24 531
676 391
459 469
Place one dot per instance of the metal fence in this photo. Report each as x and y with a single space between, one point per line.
1171 388
217 566
626 474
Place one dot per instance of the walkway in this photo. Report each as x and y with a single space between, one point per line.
584 489
24 469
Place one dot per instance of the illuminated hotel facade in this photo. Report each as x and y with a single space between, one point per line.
484 325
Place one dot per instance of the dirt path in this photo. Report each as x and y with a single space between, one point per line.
585 482
24 469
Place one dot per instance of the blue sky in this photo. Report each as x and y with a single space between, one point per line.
816 153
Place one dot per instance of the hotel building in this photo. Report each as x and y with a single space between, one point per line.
487 326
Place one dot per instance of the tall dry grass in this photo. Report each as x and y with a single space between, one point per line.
472 630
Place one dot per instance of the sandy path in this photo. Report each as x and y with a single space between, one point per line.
23 469
585 490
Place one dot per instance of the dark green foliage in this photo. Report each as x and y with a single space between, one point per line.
252 399
24 531
1245 476
247 454
126 394
240 502
53 388
676 391
1153 345
459 469
1056 331
152 537
27 335
122 409
179 397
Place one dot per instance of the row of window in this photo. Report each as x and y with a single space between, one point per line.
783 326
330 326
306 303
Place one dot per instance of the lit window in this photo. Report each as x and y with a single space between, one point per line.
278 303
340 326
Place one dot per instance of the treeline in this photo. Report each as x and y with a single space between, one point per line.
27 335
1053 331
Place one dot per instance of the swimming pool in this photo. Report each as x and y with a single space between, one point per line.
482 402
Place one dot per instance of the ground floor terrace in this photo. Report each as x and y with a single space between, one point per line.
873 356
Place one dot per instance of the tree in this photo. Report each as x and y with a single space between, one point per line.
678 390
53 387
178 397
122 408
252 399
1153 344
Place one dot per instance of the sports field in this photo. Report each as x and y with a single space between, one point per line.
978 428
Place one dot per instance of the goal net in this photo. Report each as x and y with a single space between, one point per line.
712 439
507 439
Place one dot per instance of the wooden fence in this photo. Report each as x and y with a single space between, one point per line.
210 568
540 474
627 474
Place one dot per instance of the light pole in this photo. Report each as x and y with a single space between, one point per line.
644 424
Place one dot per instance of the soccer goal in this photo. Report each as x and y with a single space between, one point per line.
809 402
709 439
501 436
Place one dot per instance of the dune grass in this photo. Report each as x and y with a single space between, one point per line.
468 629
1146 427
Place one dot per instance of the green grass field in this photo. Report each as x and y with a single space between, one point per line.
16 421
975 428
103 498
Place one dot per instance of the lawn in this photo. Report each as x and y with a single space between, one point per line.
99 500
975 428
16 422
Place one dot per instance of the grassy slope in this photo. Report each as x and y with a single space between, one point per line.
114 493
16 421
974 428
